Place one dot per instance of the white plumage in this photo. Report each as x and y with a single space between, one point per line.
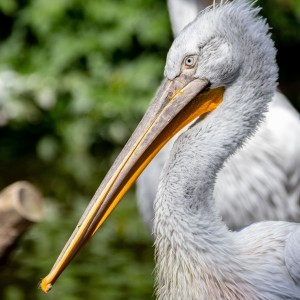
259 182
183 12
197 257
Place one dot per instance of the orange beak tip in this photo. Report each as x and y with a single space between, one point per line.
45 285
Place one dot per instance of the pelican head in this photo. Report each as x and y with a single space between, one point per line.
203 62
211 54
217 42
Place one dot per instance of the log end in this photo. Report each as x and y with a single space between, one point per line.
25 198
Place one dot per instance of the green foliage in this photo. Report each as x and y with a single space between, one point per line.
82 74
116 264
284 15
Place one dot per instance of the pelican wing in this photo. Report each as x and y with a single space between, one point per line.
292 255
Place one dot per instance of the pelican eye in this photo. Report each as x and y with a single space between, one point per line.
190 61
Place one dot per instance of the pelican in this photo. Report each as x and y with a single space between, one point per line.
259 182
221 67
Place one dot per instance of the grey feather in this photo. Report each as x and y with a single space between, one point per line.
292 256
264 175
197 257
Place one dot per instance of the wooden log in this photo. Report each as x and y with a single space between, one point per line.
20 206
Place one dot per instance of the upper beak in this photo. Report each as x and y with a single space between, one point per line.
177 103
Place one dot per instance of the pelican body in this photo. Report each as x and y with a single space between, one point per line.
221 67
261 181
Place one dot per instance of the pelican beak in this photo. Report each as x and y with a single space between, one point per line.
177 103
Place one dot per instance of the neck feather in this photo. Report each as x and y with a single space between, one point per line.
193 245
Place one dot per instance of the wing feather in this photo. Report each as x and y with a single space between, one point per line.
292 255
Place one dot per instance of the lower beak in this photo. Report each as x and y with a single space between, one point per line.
176 104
